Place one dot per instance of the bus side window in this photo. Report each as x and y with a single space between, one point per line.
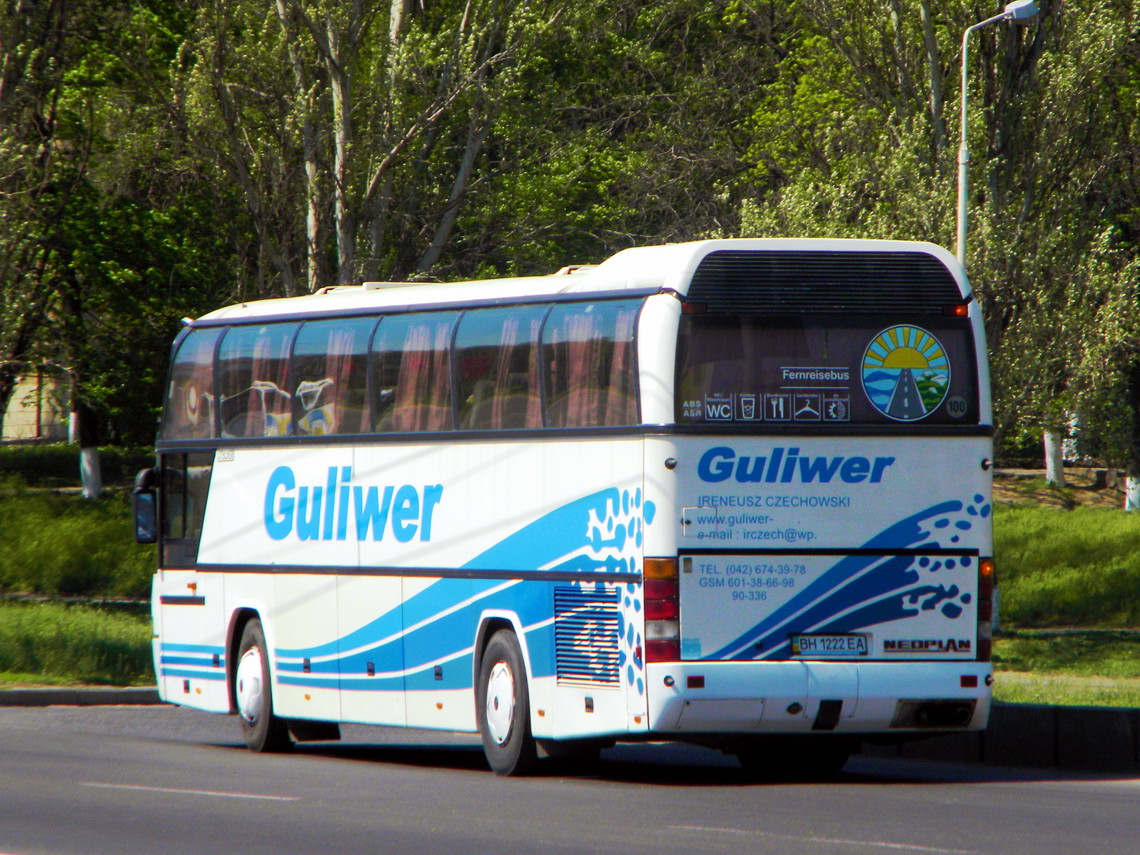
253 369
411 385
588 359
330 376
189 409
496 366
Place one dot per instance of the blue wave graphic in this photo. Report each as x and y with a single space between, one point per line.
601 532
889 585
882 375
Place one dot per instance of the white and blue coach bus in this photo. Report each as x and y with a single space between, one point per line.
731 492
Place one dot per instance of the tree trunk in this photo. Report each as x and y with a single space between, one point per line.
1132 487
934 64
340 84
82 431
306 96
476 136
239 170
1054 458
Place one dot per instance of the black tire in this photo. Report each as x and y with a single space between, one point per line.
503 707
262 730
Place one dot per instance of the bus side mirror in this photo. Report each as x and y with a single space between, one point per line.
144 501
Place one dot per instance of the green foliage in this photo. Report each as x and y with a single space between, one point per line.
1067 568
636 139
110 235
57 464
66 545
138 269
49 642
158 160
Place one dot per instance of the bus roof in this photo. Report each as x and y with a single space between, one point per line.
638 270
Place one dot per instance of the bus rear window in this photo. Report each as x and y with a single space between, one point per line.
826 370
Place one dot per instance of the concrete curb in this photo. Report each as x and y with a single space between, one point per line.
1100 739
78 697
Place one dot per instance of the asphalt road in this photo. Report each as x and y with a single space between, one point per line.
121 780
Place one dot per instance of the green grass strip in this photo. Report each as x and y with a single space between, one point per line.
64 545
1077 568
1016 687
1068 668
65 644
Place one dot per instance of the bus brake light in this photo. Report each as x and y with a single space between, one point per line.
957 310
987 582
662 610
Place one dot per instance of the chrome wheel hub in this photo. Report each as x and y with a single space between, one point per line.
500 712
249 688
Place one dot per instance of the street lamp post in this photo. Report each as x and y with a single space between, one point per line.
1020 11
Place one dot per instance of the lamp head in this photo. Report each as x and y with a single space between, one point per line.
1021 11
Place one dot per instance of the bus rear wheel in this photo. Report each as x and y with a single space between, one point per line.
503 707
262 730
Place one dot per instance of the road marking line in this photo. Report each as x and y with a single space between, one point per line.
905 847
876 844
215 793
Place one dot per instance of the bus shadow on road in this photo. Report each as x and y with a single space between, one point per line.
678 765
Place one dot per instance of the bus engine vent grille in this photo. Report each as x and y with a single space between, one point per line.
791 281
586 634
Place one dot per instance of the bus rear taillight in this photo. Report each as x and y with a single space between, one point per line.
987 581
662 611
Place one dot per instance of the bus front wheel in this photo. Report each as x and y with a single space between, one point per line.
503 705
262 730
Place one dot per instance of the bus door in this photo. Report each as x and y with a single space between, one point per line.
189 605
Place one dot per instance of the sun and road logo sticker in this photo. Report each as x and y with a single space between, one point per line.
906 373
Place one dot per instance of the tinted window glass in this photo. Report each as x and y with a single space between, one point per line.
826 369
189 410
330 361
496 366
588 360
411 372
253 377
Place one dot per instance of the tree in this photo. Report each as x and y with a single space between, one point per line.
639 138
849 142
105 229
327 115
36 176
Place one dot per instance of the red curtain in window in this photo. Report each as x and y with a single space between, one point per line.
413 366
339 368
438 392
584 396
515 405
269 405
423 389
621 404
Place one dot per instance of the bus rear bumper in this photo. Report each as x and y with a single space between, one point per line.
807 697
